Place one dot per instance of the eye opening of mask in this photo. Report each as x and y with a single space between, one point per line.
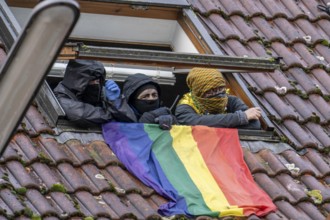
215 92
148 94
94 82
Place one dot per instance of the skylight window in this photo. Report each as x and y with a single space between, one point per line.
169 30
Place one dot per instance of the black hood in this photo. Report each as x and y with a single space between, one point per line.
79 73
134 82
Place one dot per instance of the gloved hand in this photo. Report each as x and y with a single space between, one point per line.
112 90
164 121
160 111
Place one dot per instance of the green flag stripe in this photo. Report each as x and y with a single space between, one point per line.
176 172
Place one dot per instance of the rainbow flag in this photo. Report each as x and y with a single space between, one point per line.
200 170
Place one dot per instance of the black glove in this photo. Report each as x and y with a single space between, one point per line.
165 121
150 117
160 111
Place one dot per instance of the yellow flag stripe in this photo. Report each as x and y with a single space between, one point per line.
188 152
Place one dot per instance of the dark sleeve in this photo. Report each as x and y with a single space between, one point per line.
121 111
84 114
150 117
234 118
186 115
236 104
253 125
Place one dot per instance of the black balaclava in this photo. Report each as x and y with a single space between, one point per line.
143 106
77 78
93 94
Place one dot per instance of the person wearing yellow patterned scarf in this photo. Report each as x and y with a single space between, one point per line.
208 103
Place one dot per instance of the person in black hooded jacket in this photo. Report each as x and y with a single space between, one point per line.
140 102
80 93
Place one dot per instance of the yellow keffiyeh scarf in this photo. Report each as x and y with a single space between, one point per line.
199 81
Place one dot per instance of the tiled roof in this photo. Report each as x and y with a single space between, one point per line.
296 31
295 97
58 181
42 177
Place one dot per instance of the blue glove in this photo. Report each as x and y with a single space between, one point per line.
165 122
112 90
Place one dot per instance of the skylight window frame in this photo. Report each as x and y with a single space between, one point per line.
9 27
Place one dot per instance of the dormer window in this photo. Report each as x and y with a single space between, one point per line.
163 38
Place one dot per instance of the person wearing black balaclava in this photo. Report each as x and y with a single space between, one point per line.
80 93
140 102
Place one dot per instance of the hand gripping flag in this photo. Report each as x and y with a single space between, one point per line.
199 169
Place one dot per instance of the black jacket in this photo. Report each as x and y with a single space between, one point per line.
234 118
69 91
121 109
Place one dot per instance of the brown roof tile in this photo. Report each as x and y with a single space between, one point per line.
94 206
97 180
76 150
273 188
321 77
64 203
319 162
123 181
292 187
78 180
273 161
145 209
53 151
255 163
12 203
120 206
41 203
21 175
101 154
302 163
25 146
37 122
311 210
11 153
319 133
314 184
292 212
302 137
47 176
